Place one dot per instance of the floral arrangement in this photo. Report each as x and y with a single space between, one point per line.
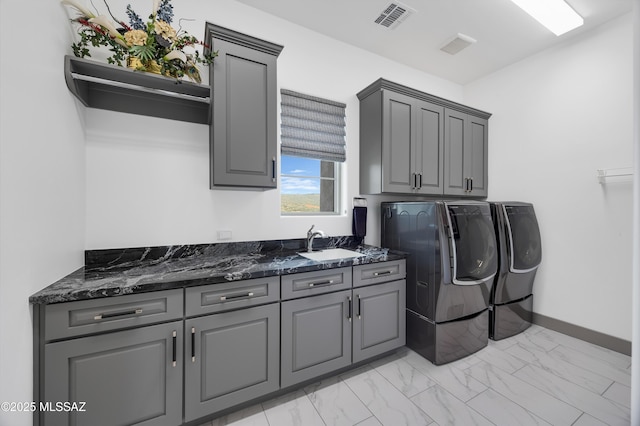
153 46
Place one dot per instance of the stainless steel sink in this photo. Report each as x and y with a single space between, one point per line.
331 254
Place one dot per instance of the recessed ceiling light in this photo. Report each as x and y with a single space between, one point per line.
556 15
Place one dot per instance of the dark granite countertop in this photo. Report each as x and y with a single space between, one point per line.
115 272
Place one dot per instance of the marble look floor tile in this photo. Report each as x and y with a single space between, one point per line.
336 403
454 380
502 411
587 420
610 357
587 401
533 329
292 409
371 421
581 377
529 397
500 359
540 340
446 409
250 416
402 375
386 402
596 365
501 344
620 394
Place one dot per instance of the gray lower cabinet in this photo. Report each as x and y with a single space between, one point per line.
243 133
171 357
379 319
231 357
120 378
336 327
466 154
316 336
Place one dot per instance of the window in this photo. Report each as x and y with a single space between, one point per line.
313 146
309 185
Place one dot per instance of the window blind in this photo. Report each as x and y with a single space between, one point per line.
312 127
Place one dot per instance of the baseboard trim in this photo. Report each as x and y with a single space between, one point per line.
595 337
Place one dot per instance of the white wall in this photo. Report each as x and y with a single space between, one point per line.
557 117
41 180
147 179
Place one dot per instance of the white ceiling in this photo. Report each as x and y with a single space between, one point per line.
504 33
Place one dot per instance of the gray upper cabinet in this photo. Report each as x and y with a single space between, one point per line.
243 134
406 147
405 135
465 154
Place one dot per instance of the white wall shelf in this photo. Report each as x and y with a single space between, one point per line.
604 174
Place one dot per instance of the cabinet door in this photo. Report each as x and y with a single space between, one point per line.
465 154
316 336
379 319
398 147
456 179
244 128
231 358
477 146
126 377
428 156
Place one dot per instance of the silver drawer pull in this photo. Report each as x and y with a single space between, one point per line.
137 311
377 274
223 298
321 283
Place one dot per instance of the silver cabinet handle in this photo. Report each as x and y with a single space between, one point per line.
193 344
175 347
359 308
223 298
273 169
377 274
137 311
320 283
350 314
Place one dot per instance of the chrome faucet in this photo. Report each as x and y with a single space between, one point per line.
311 234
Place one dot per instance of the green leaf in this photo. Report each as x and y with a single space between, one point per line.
144 53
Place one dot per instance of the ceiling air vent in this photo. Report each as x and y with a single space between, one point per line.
393 15
459 42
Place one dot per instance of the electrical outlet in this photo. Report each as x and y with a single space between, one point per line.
225 234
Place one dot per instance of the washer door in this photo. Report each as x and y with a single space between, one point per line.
524 243
473 243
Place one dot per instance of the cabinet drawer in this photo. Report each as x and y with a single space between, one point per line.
97 315
315 282
232 295
375 273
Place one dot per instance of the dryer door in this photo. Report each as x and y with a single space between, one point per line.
473 243
523 234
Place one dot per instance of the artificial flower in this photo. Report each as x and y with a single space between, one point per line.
176 54
83 10
135 38
153 46
165 30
